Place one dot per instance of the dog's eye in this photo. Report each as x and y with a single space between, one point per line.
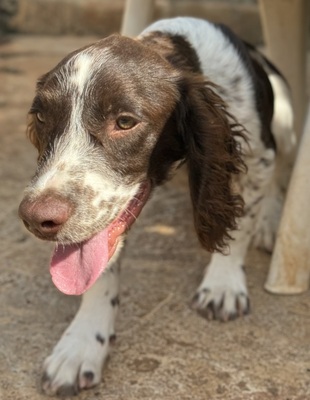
40 117
125 123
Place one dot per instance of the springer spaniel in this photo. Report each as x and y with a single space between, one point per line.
111 122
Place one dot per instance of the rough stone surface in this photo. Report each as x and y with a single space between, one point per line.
163 349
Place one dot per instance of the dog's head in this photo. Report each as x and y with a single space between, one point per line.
109 122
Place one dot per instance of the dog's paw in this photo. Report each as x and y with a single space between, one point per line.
222 304
222 295
75 363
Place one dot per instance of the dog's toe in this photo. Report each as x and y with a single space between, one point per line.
75 364
69 378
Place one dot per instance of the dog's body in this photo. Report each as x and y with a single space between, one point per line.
111 122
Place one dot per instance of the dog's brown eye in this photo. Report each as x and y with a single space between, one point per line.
40 117
125 123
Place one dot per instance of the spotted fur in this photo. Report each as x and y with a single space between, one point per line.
192 92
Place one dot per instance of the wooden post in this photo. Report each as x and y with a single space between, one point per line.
289 271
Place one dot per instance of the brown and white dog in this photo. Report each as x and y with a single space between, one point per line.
111 122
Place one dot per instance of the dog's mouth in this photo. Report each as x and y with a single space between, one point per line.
76 267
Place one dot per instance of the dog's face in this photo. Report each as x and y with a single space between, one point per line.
109 122
96 120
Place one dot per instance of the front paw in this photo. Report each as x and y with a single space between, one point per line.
220 304
75 363
222 296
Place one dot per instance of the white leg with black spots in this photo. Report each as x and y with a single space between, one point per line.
223 292
77 360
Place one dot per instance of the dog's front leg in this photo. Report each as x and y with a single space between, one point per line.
223 292
77 360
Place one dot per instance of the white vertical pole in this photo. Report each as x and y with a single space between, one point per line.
137 15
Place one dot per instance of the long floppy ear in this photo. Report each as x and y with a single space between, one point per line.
213 158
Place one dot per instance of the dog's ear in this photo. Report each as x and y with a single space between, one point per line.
32 133
213 152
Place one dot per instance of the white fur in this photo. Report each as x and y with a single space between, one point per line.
83 70
211 44
224 282
78 350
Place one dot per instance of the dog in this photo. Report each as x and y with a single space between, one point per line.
114 120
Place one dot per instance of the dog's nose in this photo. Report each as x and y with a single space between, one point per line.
45 216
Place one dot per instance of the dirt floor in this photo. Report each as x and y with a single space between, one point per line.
164 350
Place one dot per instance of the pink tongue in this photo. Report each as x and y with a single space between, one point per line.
74 268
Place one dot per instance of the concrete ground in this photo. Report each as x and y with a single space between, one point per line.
164 350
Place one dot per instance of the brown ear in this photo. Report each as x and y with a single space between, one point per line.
32 133
213 158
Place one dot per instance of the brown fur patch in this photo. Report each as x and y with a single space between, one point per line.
213 158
